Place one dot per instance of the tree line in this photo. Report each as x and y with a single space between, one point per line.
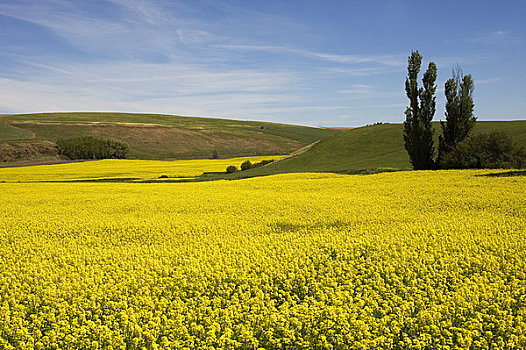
456 148
91 147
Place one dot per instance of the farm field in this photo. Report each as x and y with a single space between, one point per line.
120 169
405 260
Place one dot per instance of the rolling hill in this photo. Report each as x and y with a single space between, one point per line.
153 136
367 148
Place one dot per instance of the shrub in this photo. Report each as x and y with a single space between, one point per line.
246 165
215 154
494 150
91 147
231 169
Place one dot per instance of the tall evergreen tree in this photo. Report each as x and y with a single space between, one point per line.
418 131
459 112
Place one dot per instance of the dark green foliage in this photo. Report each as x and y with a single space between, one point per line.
459 112
263 162
215 154
494 150
231 169
246 165
418 132
91 147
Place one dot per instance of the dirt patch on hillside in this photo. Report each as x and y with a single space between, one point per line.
15 151
165 141
138 125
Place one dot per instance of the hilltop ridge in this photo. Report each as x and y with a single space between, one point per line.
153 136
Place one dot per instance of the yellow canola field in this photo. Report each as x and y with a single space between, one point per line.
407 260
122 169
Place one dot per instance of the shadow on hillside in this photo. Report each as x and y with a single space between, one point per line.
506 174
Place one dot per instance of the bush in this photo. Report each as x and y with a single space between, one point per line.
494 150
91 147
231 169
215 154
246 165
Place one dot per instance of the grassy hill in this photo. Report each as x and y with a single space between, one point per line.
154 136
368 147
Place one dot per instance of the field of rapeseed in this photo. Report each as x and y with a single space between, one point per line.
121 169
407 260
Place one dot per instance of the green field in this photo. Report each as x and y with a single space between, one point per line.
154 136
369 147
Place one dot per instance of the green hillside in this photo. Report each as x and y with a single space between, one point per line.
155 136
10 132
368 147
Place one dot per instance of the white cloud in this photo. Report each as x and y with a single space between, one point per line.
488 80
360 89
120 35
190 36
168 57
388 60
147 10
163 88
496 37
362 72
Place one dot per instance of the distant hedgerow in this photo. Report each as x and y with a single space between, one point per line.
91 147
263 162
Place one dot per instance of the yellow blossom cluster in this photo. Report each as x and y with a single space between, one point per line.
406 260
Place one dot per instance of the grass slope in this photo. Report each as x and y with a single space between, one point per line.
369 147
9 132
155 136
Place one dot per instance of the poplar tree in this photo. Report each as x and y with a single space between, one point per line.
459 112
418 131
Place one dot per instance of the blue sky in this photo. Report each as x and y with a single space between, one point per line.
319 63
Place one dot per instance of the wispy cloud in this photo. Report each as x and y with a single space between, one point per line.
360 89
135 31
496 37
208 58
148 11
168 88
198 74
388 60
489 80
366 71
